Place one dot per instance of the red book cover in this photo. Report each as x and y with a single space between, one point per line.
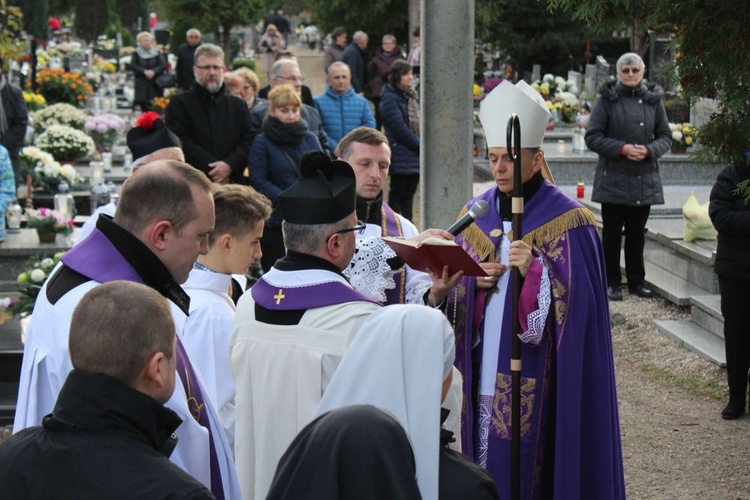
434 253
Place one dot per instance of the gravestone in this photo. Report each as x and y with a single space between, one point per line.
576 78
603 71
536 72
701 111
590 79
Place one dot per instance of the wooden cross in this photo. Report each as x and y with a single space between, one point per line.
279 296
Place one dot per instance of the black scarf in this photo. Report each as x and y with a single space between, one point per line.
285 134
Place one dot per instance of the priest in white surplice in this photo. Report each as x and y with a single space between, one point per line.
295 324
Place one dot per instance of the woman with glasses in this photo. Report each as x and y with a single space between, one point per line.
629 130
274 161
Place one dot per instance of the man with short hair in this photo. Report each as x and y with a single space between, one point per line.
307 97
233 246
340 107
283 72
215 128
163 219
185 60
369 154
354 57
109 420
293 326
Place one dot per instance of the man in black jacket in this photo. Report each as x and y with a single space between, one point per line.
354 56
13 121
185 54
214 127
109 434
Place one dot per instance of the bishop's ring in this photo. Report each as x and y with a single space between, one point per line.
487 279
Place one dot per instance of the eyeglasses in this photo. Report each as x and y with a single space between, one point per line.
210 68
627 71
359 228
297 79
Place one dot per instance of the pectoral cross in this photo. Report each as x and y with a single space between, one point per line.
279 296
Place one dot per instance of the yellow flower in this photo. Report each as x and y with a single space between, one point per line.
477 90
688 140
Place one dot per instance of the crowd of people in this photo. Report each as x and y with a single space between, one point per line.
342 372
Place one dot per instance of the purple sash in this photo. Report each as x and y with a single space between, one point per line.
304 297
391 226
98 259
196 404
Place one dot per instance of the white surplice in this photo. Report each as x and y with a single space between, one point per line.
281 371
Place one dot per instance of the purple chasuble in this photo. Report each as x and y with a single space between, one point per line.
569 421
281 298
97 259
391 226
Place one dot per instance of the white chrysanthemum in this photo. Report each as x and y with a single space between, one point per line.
549 77
47 262
677 135
37 275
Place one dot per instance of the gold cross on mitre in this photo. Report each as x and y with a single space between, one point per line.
279 296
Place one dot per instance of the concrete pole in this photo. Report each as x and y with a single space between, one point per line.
447 75
413 20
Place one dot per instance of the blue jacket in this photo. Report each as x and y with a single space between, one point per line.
271 171
394 111
342 113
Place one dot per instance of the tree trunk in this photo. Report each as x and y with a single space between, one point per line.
639 39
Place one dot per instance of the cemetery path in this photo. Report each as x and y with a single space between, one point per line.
675 443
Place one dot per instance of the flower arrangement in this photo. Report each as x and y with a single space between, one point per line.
683 135
65 143
101 65
562 97
34 101
48 221
31 281
58 114
160 104
104 129
57 85
46 173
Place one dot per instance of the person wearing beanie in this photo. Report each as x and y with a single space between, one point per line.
149 140
293 326
570 434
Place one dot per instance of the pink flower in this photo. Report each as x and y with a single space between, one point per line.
101 128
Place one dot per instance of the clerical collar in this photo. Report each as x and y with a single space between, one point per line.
369 210
296 261
530 188
152 271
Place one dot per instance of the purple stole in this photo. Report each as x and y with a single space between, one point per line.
391 226
569 425
97 259
281 298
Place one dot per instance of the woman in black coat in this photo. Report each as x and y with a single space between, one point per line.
730 213
629 130
146 63
399 109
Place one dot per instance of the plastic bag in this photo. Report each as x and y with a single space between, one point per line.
698 224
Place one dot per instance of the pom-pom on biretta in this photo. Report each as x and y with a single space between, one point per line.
146 120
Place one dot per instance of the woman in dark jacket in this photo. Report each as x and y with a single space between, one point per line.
378 66
399 108
629 130
146 64
730 214
274 161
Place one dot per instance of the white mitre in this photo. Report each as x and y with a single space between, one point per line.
524 101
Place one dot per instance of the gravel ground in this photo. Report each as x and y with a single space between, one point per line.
675 444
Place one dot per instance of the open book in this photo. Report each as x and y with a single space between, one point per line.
434 253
